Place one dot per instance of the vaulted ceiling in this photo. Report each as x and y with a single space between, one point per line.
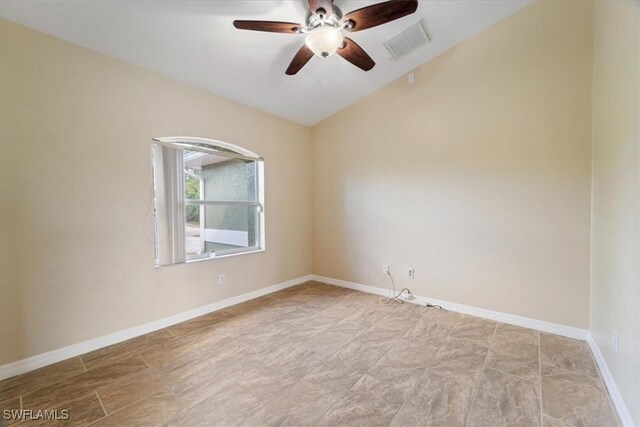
196 43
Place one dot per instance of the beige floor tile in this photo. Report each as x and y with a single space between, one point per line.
269 346
374 301
229 407
321 321
211 348
266 382
359 301
515 351
290 303
298 362
575 398
329 341
80 385
307 295
567 353
205 321
13 417
508 334
169 350
125 349
301 405
460 359
81 411
287 292
301 329
516 358
433 325
552 422
186 349
392 322
132 388
360 408
436 400
240 329
367 348
442 316
392 383
334 375
195 385
503 399
411 353
152 411
333 314
412 310
318 353
285 346
362 317
34 380
475 329
318 288
320 303
251 306
296 317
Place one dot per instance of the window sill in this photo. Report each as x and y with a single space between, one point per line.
225 256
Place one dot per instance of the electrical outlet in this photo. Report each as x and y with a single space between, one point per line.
614 340
221 279
411 273
385 268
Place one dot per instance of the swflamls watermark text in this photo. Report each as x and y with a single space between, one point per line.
30 414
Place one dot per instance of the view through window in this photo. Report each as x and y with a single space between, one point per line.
218 190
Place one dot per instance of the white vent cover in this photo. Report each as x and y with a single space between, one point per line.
408 40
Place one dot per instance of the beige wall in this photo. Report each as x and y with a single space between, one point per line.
477 175
76 245
615 281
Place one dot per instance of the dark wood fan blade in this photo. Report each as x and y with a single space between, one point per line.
268 26
302 57
378 14
353 53
327 5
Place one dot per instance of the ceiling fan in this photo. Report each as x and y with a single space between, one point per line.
324 27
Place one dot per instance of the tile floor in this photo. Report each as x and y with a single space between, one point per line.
318 354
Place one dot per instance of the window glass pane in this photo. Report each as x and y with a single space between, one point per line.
211 177
194 231
219 228
209 146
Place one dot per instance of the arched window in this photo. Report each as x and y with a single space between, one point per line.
208 200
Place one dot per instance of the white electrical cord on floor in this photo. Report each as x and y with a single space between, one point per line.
398 296
392 292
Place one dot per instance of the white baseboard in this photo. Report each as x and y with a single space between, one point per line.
609 382
512 319
526 322
50 357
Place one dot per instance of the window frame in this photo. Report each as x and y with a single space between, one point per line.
209 146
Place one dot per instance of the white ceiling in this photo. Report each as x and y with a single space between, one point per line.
196 43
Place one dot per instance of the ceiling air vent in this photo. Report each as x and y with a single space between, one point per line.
408 40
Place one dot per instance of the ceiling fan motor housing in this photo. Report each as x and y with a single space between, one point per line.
320 18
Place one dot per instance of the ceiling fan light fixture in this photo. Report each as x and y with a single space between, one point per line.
324 28
324 41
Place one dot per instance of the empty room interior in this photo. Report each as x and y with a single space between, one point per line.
322 212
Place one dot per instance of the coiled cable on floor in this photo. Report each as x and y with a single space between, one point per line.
396 296
392 290
393 295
